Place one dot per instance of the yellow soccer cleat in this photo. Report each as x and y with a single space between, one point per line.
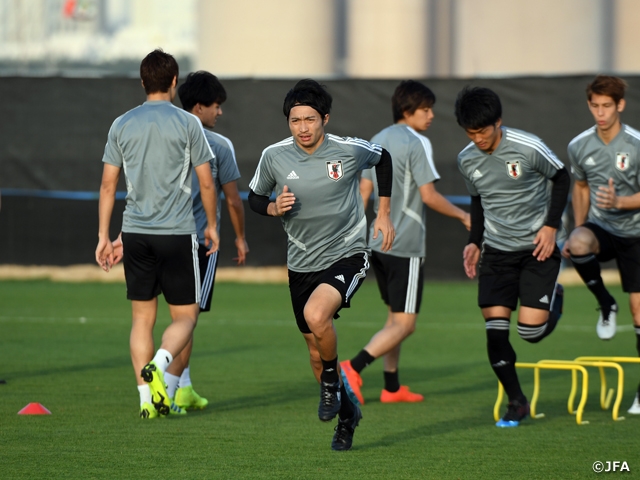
148 411
154 377
186 397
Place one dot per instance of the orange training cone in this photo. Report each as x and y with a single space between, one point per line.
34 409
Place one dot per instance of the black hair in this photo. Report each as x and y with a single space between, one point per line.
477 108
157 71
203 88
409 97
310 93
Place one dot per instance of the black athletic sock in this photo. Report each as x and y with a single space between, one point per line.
502 357
329 371
347 408
588 268
391 381
362 360
637 330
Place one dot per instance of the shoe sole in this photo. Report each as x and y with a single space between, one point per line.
356 398
159 397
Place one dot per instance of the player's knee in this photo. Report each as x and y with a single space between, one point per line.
582 242
316 319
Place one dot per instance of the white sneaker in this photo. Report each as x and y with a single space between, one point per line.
606 327
635 408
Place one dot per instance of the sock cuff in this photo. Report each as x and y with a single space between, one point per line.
497 323
579 259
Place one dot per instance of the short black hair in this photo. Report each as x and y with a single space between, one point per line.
203 88
310 93
409 97
157 71
477 108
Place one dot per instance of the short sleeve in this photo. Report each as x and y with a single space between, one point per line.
200 150
367 174
576 169
367 154
263 181
422 166
467 181
543 160
227 166
112 152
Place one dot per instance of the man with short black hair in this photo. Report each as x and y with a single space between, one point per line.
605 160
315 179
399 272
518 193
157 145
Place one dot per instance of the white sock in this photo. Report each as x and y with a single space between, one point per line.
185 379
172 383
145 394
163 359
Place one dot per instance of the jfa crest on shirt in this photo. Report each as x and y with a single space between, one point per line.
513 169
334 170
622 161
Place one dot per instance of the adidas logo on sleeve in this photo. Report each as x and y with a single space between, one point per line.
476 174
292 176
590 161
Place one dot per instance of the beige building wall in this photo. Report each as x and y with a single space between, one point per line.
521 37
387 38
626 36
266 38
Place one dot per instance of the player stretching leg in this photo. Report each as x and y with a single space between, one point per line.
158 228
514 219
606 204
315 177
399 273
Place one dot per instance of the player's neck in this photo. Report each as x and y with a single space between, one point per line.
608 134
159 96
312 148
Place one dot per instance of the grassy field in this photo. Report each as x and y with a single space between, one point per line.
66 346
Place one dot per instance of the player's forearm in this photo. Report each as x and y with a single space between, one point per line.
384 174
384 207
631 202
436 202
209 203
236 214
580 202
366 189
559 195
105 209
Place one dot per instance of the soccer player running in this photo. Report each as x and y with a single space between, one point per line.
202 94
314 176
518 192
605 160
399 273
157 145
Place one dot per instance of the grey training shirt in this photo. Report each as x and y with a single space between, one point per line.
157 144
327 222
514 187
412 167
594 162
224 170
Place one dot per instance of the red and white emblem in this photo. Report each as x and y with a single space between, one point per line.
622 161
334 170
513 169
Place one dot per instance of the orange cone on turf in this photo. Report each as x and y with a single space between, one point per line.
34 409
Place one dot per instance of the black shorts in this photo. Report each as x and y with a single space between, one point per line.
345 275
166 264
506 277
208 268
626 251
400 281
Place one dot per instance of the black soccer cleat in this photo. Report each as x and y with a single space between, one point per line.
516 412
329 401
343 438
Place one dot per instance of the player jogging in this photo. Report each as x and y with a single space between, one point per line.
518 192
314 176
399 272
157 145
606 204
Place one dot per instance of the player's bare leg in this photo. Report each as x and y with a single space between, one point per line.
314 355
634 303
141 338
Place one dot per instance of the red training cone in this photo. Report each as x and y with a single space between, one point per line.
34 409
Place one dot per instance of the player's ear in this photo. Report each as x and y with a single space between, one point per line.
621 105
174 82
325 120
499 123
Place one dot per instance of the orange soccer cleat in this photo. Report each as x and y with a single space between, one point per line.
402 395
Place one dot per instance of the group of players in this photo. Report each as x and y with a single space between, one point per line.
322 182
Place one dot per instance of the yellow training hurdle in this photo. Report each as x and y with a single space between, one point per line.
573 367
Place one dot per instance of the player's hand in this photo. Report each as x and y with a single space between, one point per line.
470 258
383 225
606 197
545 243
566 253
118 250
466 221
211 239
104 254
284 202
243 249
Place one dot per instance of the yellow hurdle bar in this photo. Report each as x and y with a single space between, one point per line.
605 397
536 389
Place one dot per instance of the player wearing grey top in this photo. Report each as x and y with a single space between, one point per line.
315 179
157 145
399 273
518 192
606 204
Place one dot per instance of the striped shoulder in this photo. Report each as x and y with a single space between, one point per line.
532 141
465 151
281 144
632 132
356 142
426 145
585 134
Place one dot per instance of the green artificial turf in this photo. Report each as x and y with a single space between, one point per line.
66 346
